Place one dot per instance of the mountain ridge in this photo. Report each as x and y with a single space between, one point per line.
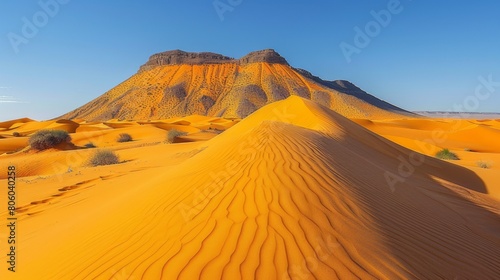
177 83
178 57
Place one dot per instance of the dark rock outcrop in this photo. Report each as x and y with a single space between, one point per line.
177 57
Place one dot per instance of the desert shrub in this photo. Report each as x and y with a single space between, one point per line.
16 134
483 164
104 157
124 137
46 139
447 155
89 145
174 133
215 131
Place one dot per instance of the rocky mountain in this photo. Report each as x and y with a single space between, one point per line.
177 83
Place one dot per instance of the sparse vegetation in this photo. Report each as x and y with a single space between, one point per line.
174 133
124 137
90 145
483 164
215 131
46 139
104 157
16 134
447 155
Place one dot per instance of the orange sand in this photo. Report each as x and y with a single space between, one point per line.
473 141
294 191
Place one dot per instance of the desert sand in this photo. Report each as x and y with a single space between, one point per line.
293 191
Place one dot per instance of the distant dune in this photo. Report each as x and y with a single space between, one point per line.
459 115
177 83
293 191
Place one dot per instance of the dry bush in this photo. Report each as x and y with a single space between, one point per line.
46 139
483 164
174 133
124 137
104 157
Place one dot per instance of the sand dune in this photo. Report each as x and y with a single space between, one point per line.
14 123
294 191
474 141
10 145
199 128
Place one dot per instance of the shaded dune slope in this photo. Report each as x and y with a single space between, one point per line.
296 192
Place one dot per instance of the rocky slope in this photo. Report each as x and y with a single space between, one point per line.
178 83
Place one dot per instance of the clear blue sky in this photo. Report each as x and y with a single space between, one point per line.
428 57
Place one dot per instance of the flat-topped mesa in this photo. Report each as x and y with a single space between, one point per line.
177 57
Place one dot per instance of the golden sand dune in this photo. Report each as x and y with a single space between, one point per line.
176 84
13 144
294 191
31 126
14 123
14 137
475 142
460 134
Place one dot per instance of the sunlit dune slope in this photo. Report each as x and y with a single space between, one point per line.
13 123
14 134
475 142
171 85
14 137
295 191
